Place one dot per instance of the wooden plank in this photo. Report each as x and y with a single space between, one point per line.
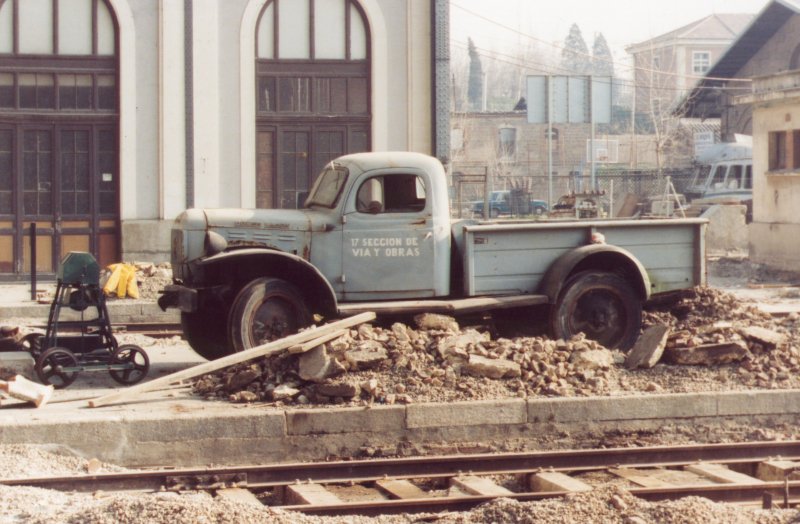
401 489
772 470
479 486
644 478
308 346
313 494
556 481
722 474
239 495
264 350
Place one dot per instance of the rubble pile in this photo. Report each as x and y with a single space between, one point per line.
710 341
402 365
150 278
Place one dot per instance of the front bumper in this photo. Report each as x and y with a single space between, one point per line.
180 297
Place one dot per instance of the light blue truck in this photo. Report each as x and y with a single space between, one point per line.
375 234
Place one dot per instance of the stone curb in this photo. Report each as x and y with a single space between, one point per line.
195 432
118 312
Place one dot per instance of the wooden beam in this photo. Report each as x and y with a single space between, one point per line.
772 470
722 474
556 481
314 494
308 346
644 477
264 350
401 489
479 486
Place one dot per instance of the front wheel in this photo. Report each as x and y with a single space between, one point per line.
601 305
205 332
266 309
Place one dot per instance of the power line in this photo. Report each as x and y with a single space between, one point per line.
607 60
527 64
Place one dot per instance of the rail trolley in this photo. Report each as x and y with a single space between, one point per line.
83 339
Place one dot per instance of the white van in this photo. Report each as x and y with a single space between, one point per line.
724 174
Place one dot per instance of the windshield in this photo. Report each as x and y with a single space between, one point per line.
328 187
700 175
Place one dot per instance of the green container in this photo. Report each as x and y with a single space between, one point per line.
79 268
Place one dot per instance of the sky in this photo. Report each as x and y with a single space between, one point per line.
622 22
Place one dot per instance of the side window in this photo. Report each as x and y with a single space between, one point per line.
391 194
734 180
719 177
748 177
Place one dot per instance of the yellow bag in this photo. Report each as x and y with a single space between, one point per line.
122 281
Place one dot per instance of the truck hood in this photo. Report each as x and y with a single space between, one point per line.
259 219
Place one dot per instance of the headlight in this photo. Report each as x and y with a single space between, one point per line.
214 243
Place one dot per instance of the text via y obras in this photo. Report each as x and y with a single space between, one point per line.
385 247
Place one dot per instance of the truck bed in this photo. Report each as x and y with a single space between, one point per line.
511 258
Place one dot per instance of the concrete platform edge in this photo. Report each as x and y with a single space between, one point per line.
257 435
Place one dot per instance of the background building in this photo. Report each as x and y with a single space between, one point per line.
116 115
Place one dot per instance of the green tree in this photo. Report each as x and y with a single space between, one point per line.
602 61
575 56
475 84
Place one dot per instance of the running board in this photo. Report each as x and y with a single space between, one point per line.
460 306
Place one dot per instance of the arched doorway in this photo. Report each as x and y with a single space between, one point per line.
59 121
312 93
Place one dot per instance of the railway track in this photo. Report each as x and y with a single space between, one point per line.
744 473
150 329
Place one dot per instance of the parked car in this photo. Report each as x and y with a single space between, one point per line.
500 203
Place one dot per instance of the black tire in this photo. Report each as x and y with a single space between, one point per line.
601 305
206 332
266 309
494 212
538 211
136 360
51 367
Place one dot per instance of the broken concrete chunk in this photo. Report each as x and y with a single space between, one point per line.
434 321
243 396
242 379
316 366
367 355
401 332
458 346
709 354
592 359
649 348
765 336
492 368
284 391
339 390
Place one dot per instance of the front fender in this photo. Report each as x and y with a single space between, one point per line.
600 257
253 263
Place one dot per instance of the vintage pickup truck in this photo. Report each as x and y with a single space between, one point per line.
375 234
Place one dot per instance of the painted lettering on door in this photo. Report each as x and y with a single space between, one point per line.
392 247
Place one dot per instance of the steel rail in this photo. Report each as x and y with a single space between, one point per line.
267 476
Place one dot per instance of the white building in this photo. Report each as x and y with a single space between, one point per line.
116 115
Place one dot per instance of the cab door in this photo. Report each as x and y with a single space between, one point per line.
388 248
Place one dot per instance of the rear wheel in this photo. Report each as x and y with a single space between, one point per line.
135 361
57 367
601 305
266 309
205 331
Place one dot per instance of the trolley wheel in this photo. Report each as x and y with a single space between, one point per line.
52 367
137 361
32 343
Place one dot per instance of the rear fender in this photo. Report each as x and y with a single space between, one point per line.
243 265
598 257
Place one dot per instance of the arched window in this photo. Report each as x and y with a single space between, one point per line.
58 131
312 93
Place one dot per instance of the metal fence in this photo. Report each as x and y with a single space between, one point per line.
613 186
